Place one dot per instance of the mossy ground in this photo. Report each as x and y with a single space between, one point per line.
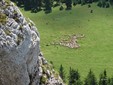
2 18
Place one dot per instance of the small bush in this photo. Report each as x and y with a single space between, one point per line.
89 6
74 4
91 11
43 79
7 32
8 2
107 5
2 18
103 4
79 1
99 4
55 5
61 8
83 2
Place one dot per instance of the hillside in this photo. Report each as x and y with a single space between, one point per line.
96 47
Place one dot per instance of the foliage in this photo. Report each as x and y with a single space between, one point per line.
2 18
62 73
89 6
99 4
103 78
46 5
83 2
110 81
51 62
68 4
104 4
74 77
107 5
7 32
43 79
75 2
61 8
90 79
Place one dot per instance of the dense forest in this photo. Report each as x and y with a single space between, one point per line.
47 5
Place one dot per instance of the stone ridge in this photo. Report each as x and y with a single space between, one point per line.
13 33
21 62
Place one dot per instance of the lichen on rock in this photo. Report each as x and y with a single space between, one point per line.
21 62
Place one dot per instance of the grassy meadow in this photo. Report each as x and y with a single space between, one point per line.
96 48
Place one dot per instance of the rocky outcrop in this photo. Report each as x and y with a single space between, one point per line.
21 62
47 74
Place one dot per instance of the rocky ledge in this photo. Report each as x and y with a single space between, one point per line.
21 62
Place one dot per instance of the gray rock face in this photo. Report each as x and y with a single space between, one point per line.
19 48
21 62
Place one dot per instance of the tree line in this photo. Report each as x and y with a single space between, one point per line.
74 78
47 5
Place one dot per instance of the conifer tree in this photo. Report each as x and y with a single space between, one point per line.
74 77
110 81
103 78
48 6
68 4
62 73
90 79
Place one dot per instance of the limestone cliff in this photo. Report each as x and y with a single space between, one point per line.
21 62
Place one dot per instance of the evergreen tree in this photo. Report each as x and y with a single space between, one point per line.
110 81
74 2
103 78
62 73
27 4
74 77
39 4
18 2
36 5
111 2
48 6
90 79
57 2
68 4
62 1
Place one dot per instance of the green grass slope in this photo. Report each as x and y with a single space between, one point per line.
96 51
